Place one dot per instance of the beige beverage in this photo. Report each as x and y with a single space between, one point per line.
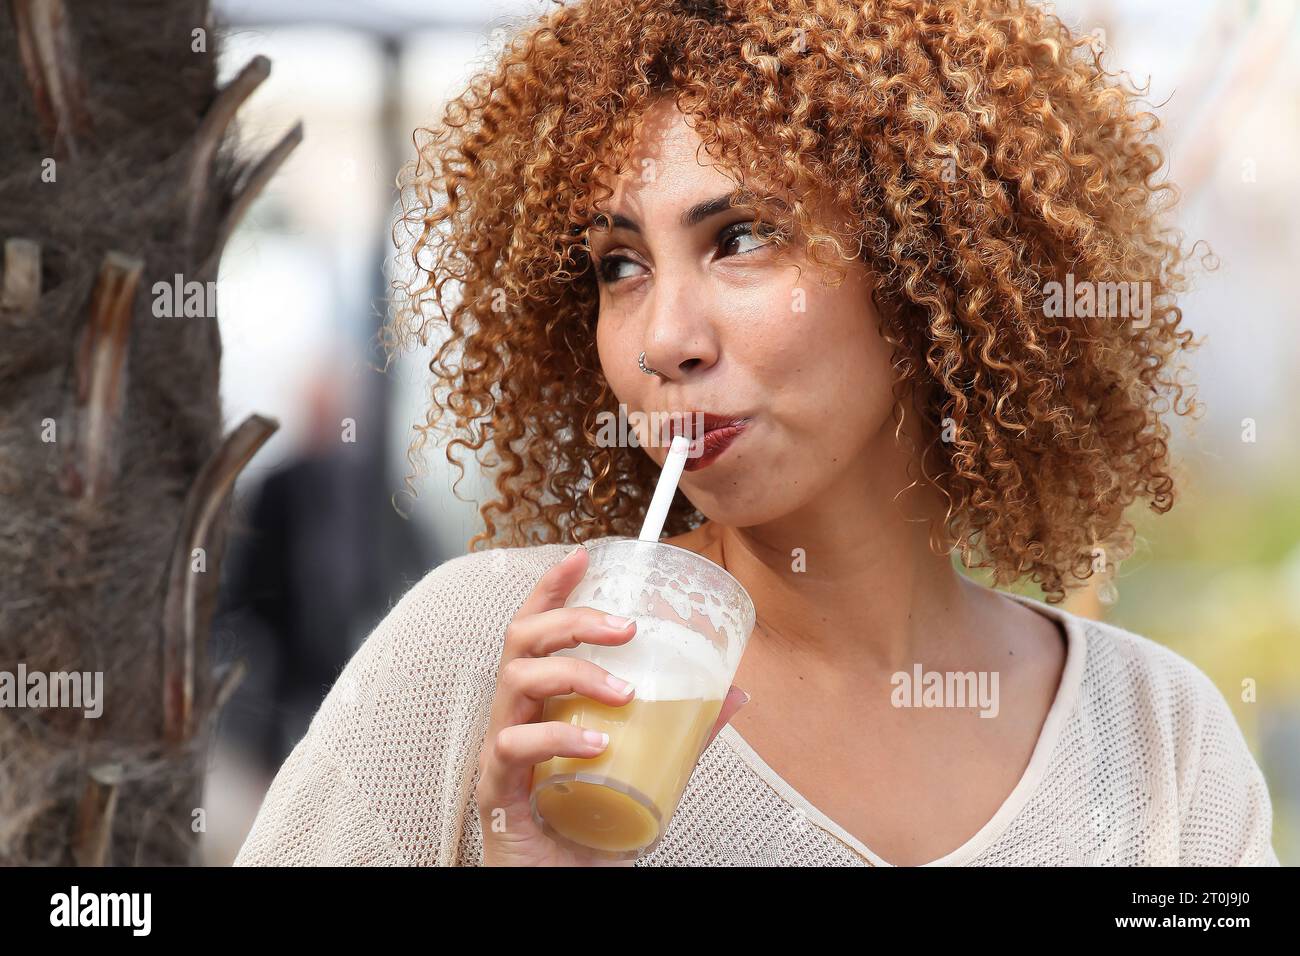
653 747
692 621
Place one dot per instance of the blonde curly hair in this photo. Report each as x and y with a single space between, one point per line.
980 153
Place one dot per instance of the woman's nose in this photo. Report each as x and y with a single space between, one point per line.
680 334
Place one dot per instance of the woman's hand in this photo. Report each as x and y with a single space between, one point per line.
517 739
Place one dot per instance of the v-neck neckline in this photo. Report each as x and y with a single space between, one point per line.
1063 704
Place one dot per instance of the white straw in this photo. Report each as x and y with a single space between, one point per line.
665 489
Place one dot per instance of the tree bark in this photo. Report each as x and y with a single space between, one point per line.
119 186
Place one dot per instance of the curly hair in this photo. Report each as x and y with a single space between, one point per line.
983 159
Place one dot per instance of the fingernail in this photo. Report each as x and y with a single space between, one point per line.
616 622
595 738
622 686
573 552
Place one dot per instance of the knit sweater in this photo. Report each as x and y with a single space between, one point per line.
1139 761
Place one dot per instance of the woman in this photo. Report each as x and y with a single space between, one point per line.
850 226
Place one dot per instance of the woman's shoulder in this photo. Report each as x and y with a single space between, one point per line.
511 571
1130 670
1165 711
1147 714
435 654
397 736
1118 669
457 614
1126 685
475 589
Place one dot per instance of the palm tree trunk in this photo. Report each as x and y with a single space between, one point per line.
118 190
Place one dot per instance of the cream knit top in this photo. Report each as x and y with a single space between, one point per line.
1140 761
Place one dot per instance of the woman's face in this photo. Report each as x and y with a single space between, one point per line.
736 329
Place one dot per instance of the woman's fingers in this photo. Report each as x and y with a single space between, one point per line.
525 682
735 699
514 751
524 745
522 687
548 631
552 588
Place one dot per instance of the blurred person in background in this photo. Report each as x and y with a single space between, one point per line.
320 557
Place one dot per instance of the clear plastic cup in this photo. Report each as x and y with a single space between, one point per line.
693 620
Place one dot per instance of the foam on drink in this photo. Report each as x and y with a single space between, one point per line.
665 661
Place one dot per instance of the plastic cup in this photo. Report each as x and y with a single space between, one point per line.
693 620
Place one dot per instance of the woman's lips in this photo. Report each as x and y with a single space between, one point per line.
715 443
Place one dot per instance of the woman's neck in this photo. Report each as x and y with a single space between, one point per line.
865 594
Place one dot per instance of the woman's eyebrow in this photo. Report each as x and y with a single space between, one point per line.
691 217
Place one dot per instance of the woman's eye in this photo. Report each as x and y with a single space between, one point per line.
606 270
740 232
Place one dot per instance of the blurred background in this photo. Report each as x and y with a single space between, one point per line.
324 539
